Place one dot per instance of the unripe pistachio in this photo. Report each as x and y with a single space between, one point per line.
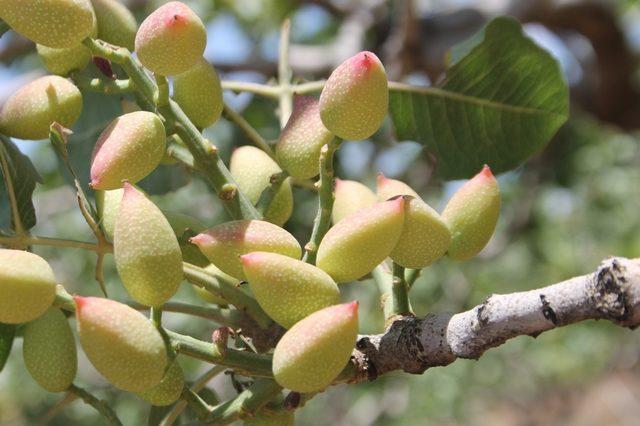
121 343
49 351
29 112
355 98
52 23
199 93
147 253
288 289
279 418
209 297
350 196
224 244
171 40
315 350
425 237
168 390
472 214
27 286
298 148
116 24
108 204
63 61
360 242
129 149
252 169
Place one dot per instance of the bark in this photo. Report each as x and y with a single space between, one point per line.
413 345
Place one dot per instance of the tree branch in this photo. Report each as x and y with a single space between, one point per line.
413 345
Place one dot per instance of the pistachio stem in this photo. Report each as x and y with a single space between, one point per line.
247 129
228 291
325 200
100 405
284 74
204 153
246 363
246 404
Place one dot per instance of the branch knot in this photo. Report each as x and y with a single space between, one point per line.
608 291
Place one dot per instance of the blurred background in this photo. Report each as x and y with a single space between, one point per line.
565 210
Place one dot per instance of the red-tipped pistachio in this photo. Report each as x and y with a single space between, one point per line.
29 112
288 289
27 286
350 196
252 169
147 253
52 23
425 237
129 149
315 350
199 93
298 148
358 243
224 244
49 351
472 214
171 40
355 98
121 343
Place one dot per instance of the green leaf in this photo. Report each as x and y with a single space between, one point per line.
7 333
22 176
499 104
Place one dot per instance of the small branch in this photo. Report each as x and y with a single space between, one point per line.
248 130
155 315
181 155
246 404
96 403
325 200
58 135
32 240
163 91
197 386
400 292
245 363
196 403
309 87
64 300
229 317
255 88
285 74
207 160
228 291
204 153
101 85
270 191
413 345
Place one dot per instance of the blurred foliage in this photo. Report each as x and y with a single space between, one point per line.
563 211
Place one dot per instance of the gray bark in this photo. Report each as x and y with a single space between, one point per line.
413 345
